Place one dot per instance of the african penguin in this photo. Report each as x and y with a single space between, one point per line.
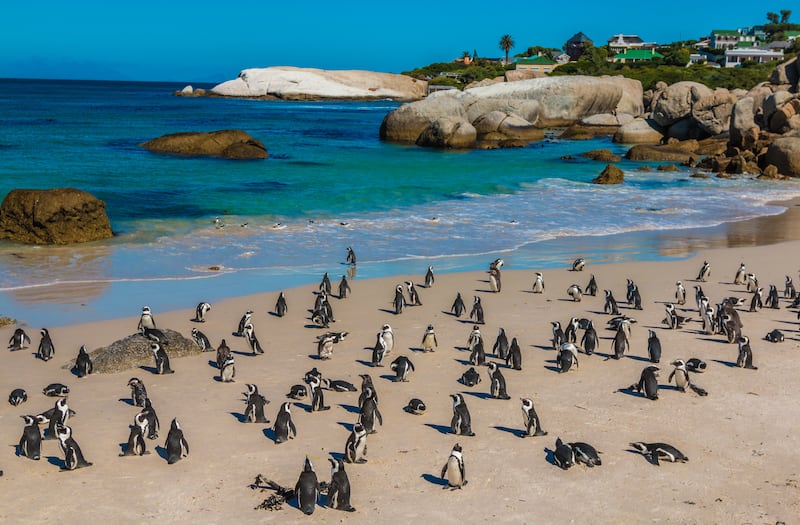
252 340
653 347
563 455
351 256
339 487
514 357
399 299
200 312
745 359
146 320
254 405
280 305
416 406
461 422
500 347
655 451
317 398
228 370
162 359
325 285
648 383
530 420
19 340
680 293
244 321
176 444
429 342
284 428
136 443
138 391
369 412
83 363
575 292
578 264
429 277
741 273
413 295
17 396
538 283
610 306
149 413
201 340
704 273
453 470
356 446
591 287
30 444
46 348
586 454
307 488
589 340
73 457
55 389
471 377
401 367
497 388
344 288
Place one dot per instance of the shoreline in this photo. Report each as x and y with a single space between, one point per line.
98 300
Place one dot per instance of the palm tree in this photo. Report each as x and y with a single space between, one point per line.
506 43
785 14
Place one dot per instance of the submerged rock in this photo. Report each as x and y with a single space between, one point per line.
55 216
610 175
226 143
602 155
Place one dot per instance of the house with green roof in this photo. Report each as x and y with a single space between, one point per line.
539 64
791 35
637 55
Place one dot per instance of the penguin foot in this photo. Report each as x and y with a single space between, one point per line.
540 433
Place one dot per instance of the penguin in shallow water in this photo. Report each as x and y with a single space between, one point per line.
307 488
648 383
454 471
530 420
254 405
162 359
591 287
399 301
344 287
461 422
351 256
73 457
138 391
46 348
30 444
429 278
280 305
458 307
369 412
500 347
339 487
176 444
745 358
653 347
402 366
136 443
538 283
201 340
146 320
429 342
200 312
356 446
655 451
17 396
704 273
498 383
83 363
284 428
589 340
19 340
514 357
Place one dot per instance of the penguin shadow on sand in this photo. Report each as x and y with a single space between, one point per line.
154 370
56 462
435 480
269 433
239 416
550 456
303 406
633 393
479 395
417 349
162 452
128 401
365 362
388 311
464 362
347 426
389 377
647 457
638 358
553 367
350 408
729 364
442 429
513 431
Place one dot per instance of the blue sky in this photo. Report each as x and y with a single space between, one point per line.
212 41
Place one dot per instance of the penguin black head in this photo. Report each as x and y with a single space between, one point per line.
527 404
307 466
175 425
457 448
29 420
251 389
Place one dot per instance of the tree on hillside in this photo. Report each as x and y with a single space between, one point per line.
506 43
785 14
772 17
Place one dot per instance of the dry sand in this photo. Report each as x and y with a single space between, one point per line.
741 439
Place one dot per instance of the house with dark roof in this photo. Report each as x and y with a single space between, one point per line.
621 43
576 45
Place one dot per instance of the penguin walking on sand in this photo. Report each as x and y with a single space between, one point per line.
538 283
751 282
83 363
136 443
458 307
200 312
530 420
223 351
162 359
571 332
254 405
252 340
284 428
379 350
339 487
500 347
19 340
73 456
498 383
680 293
454 471
153 425
399 301
244 321
201 340
351 256
344 288
307 489
317 398
558 335
325 285
567 357
59 416
355 449
30 444
704 273
653 347
138 391
772 297
514 357
648 383
228 370
402 366
745 358
46 348
655 451
429 278
429 342
461 422
280 305
369 412
741 274
575 292
610 306
495 283
477 310
413 295
591 287
176 444
477 355
789 291
146 320
366 382
682 380
756 303
620 345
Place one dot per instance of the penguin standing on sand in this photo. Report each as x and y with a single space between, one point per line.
379 350
530 420
399 300
575 292
19 340
589 340
387 334
620 345
458 307
339 487
680 293
610 306
538 283
567 357
772 297
73 457
138 391
228 370
477 310
325 285
59 416
146 320
402 366
369 412
162 359
136 443
252 340
366 382
83 363
498 383
461 422
653 347
344 288
254 405
284 428
307 489
317 399
30 444
429 343
495 283
704 273
514 357
201 311
789 291
591 288
244 321
745 359
201 340
454 471
500 347
413 295
355 449
648 383
280 305
741 274
429 277
558 335
176 444
46 348
681 375
477 355
223 351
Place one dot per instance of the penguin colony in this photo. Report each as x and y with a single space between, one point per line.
580 339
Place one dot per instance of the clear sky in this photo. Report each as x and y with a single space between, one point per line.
204 41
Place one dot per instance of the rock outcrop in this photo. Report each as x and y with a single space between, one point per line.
676 101
55 216
227 143
134 351
784 154
675 152
639 131
602 155
610 175
294 83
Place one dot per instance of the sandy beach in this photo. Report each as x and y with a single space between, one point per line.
741 439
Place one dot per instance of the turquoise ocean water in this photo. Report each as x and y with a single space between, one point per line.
329 183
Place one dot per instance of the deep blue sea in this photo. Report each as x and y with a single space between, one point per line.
329 183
